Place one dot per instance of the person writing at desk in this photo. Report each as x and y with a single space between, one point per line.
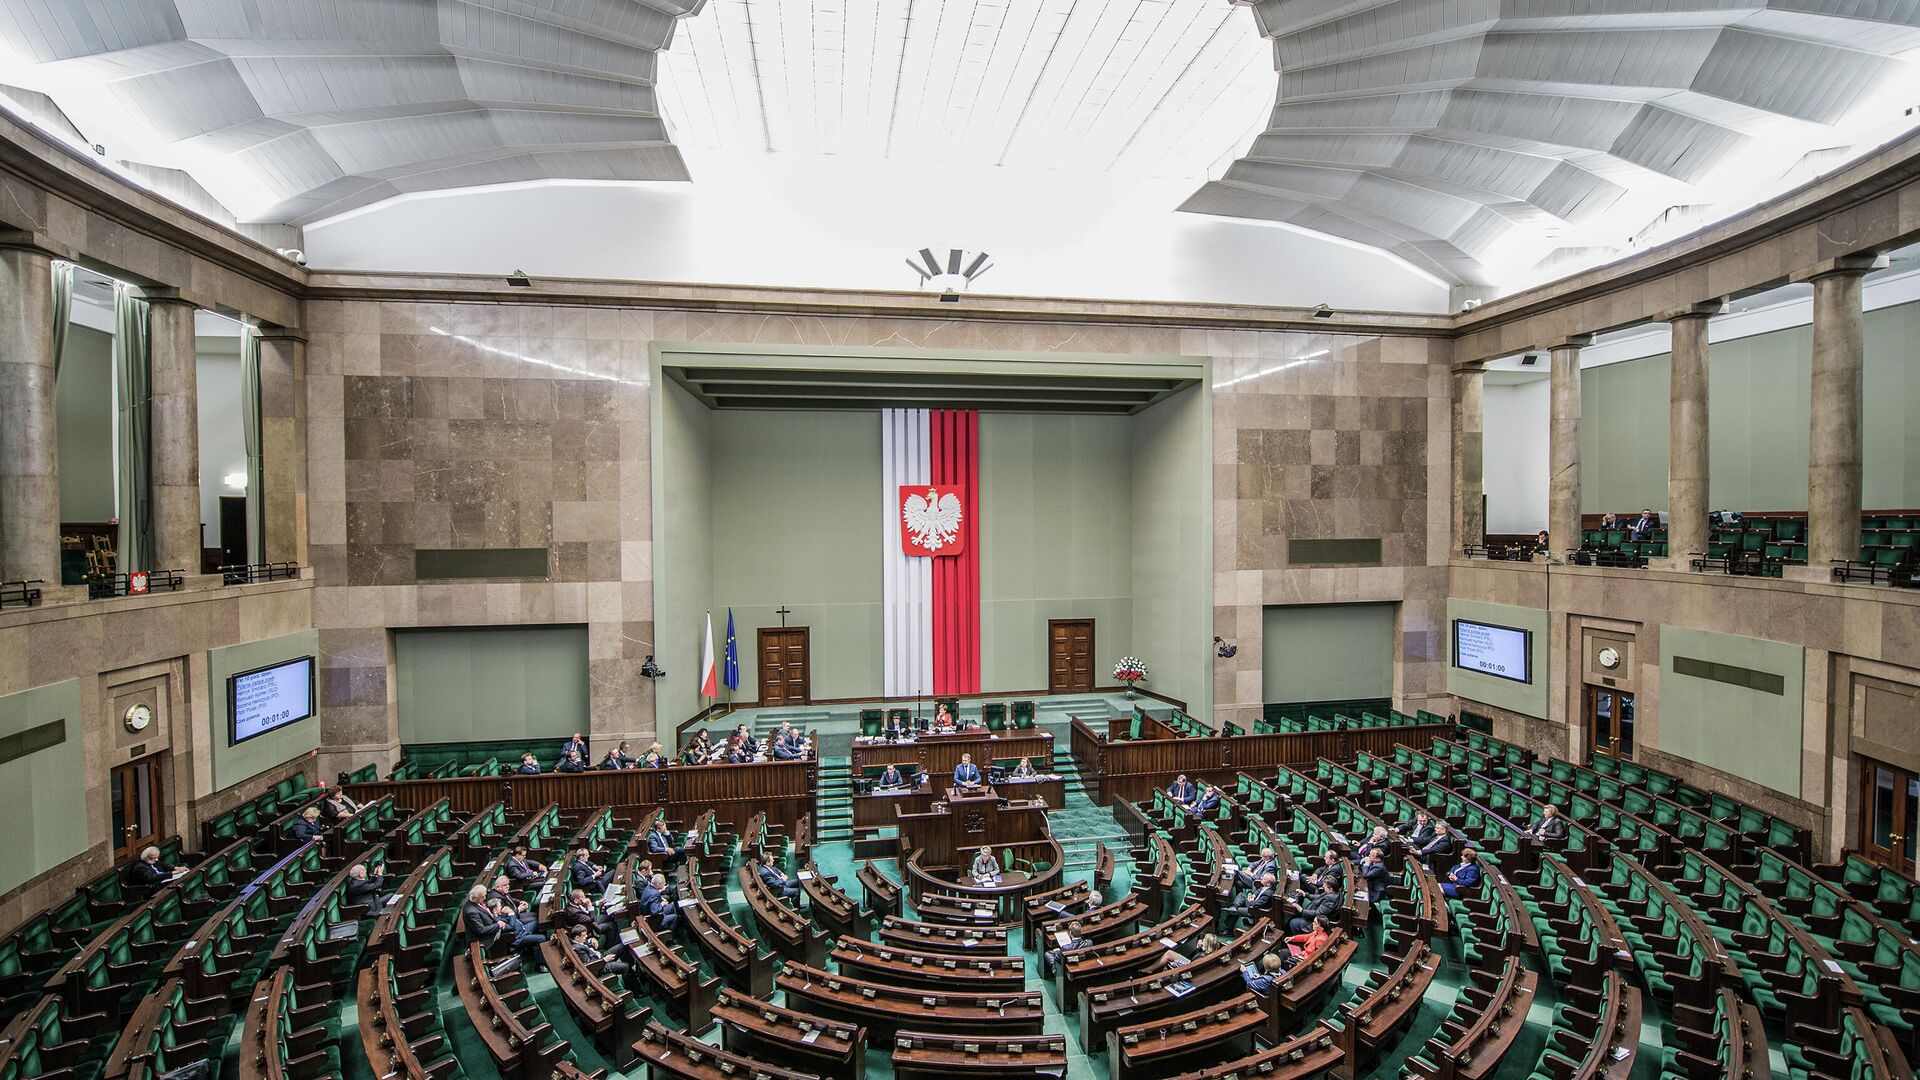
1260 976
149 874
1181 791
1024 770
308 827
892 778
986 868
966 774
942 719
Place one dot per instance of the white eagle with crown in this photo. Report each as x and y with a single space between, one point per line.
934 520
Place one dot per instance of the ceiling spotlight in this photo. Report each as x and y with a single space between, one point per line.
1530 359
950 275
1323 312
237 481
99 150
519 280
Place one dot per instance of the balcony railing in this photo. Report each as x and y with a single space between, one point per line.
248 575
20 593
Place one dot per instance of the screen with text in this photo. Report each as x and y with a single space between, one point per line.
271 697
1500 651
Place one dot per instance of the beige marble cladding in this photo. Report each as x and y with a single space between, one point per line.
1324 436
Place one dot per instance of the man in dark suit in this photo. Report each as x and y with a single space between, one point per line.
528 766
522 867
1551 828
582 911
776 879
148 874
480 925
585 875
1208 800
787 749
660 844
966 774
587 951
576 745
1181 791
1436 852
1373 871
1234 914
571 762
1418 830
1332 871
1050 960
1327 903
657 906
891 778
1641 531
363 889
1249 875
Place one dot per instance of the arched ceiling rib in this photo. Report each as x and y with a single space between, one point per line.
322 106
1457 133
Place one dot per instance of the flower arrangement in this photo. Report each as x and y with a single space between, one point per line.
1130 670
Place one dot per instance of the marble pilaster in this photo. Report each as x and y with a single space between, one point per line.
1563 447
283 445
1469 436
1834 456
1687 475
29 456
175 426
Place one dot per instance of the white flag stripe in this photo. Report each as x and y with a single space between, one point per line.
907 583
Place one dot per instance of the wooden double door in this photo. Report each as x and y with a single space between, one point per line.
1890 816
784 665
1069 656
137 792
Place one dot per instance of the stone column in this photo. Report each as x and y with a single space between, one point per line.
29 441
1563 448
283 444
1469 440
175 427
1833 458
1687 476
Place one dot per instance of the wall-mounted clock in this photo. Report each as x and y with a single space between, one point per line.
137 717
1609 658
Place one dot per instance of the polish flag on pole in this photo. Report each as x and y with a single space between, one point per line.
709 678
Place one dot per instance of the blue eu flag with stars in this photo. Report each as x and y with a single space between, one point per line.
730 674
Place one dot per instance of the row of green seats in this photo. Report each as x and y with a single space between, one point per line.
413 931
1892 894
49 1040
180 1031
1756 825
1578 1046
1678 956
255 813
365 774
1732 1042
310 949
1860 1053
1567 916
283 1025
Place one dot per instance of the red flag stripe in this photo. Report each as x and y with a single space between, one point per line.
955 459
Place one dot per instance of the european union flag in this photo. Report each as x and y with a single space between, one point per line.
730 675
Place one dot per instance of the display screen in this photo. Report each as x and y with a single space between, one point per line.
272 697
1499 651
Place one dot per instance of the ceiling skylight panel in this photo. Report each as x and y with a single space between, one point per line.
848 98
1003 87
1086 40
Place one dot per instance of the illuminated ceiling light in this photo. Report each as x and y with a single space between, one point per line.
949 277
237 481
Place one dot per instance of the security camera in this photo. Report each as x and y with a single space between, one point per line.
299 257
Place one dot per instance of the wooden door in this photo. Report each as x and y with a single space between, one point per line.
1069 656
783 665
1609 722
233 530
1888 822
136 790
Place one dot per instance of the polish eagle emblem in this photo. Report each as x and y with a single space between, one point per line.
931 520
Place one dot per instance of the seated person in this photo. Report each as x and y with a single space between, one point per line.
966 774
1464 877
571 762
737 752
1609 521
309 826
503 891
1249 875
585 875
896 730
1379 839
483 922
336 805
1207 801
788 745
613 760
891 779
523 867
1331 871
587 951
1436 852
1181 791
745 738
942 719
654 758
1305 942
660 843
1260 977
1541 546
1262 895
1050 960
582 911
657 904
148 873
1376 876
519 928
985 866
1324 904
625 753
528 766
1551 828
577 745
363 889
1024 770
776 879
1418 830
1640 530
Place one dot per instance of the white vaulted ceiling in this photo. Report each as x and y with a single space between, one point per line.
1481 139
293 110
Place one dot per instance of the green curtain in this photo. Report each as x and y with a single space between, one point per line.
133 380
62 310
250 422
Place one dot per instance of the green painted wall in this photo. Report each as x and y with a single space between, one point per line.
43 795
85 419
232 764
1056 541
796 522
487 683
1173 546
1749 733
1529 698
682 548
1326 652
1758 391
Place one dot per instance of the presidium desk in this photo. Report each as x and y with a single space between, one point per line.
936 755
938 846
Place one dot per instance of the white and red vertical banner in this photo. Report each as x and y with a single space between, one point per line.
930 484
